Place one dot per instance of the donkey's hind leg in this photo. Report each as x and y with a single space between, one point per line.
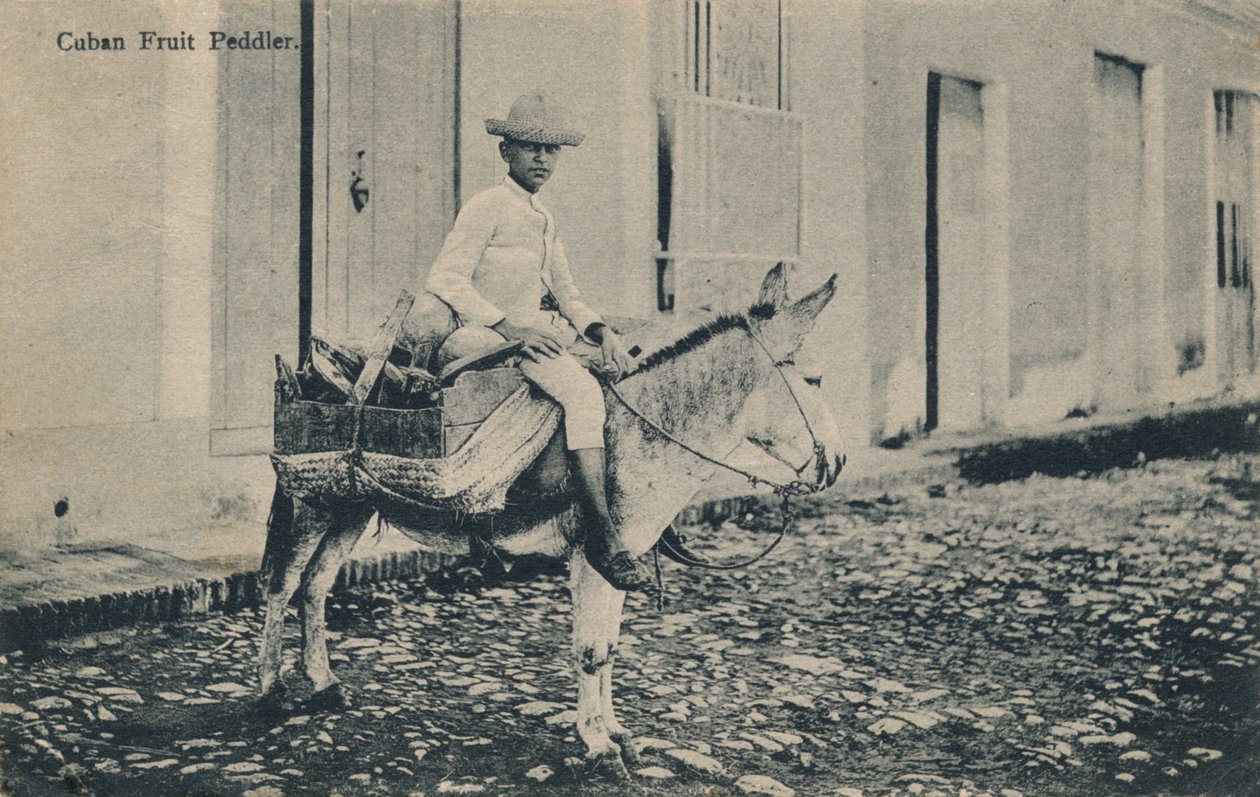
318 579
292 538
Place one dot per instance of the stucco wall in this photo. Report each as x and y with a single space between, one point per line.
1042 55
826 87
106 302
107 325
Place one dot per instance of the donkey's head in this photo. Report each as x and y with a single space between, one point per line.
788 418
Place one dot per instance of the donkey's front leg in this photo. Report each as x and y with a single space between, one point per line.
596 615
618 732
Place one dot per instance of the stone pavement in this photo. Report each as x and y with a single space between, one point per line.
50 592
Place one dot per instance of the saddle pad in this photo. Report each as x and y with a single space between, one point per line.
474 479
473 398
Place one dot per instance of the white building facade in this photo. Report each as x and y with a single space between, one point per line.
1059 205
1036 210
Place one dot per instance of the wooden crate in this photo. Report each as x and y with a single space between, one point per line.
468 402
303 427
307 426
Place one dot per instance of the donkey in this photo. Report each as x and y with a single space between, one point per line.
732 378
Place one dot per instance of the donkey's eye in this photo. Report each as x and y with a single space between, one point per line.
813 380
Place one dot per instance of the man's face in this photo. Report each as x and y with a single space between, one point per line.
530 164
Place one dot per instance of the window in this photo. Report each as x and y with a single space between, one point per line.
729 154
1232 188
735 51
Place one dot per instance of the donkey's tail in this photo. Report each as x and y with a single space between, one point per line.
279 534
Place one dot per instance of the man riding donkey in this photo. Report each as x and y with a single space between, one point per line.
503 268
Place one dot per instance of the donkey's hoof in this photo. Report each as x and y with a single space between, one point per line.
607 765
628 754
271 703
329 699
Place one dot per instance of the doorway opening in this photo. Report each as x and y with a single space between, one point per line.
957 261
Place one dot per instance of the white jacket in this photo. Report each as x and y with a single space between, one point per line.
501 258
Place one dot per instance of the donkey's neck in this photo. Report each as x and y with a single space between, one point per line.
702 392
698 397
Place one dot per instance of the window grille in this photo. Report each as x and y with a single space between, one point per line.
735 50
730 153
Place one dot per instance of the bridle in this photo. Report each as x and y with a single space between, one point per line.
785 490
795 487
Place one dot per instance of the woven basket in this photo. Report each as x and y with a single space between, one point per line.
473 480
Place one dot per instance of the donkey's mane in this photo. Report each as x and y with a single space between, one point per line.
698 337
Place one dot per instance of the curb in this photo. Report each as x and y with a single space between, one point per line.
33 624
1181 433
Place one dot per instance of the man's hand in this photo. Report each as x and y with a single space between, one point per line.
617 361
537 342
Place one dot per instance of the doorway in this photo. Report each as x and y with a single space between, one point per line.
1118 280
957 262
1233 191
385 155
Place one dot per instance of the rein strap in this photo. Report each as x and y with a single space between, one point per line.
789 515
784 490
797 487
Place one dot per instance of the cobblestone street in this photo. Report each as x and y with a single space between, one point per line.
1078 636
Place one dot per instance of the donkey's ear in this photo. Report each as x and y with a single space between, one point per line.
773 293
810 306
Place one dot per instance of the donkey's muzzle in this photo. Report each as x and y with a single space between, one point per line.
829 468
826 467
837 465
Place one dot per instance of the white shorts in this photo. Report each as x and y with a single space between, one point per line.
578 393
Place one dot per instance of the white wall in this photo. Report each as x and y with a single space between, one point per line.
107 319
1042 55
107 266
826 87
170 235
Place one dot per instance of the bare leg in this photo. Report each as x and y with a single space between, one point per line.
287 561
318 579
593 601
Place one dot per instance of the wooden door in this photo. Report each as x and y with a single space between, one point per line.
385 154
255 278
1116 208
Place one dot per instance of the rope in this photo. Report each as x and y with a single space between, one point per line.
784 490
356 450
779 365
789 515
660 585
791 488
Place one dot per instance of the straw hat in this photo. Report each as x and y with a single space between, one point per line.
535 118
